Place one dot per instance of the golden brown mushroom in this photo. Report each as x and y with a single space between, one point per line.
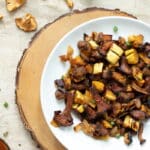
14 4
1 17
70 3
27 23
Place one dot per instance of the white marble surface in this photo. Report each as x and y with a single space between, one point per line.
13 41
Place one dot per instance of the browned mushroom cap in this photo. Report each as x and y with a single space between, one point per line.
3 145
27 23
1 17
70 3
14 4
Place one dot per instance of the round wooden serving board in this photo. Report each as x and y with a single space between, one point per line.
31 66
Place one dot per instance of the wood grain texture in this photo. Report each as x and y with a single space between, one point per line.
31 66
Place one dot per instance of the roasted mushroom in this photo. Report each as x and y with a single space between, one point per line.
1 17
27 23
128 138
14 4
64 118
70 3
140 134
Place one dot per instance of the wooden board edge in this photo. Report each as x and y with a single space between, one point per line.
23 118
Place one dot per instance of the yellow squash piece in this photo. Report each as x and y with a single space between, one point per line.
112 57
114 54
98 85
116 49
132 56
93 44
98 68
106 124
110 95
80 109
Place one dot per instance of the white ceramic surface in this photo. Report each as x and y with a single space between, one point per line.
54 69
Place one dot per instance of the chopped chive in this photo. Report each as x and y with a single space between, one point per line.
118 136
112 123
5 105
148 65
115 29
5 134
128 43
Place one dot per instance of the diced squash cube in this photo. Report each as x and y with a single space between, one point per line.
93 44
106 124
112 57
80 109
79 98
132 56
75 106
130 51
116 49
98 68
98 85
110 95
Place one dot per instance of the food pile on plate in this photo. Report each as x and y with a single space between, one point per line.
107 86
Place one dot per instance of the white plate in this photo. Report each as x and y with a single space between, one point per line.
54 69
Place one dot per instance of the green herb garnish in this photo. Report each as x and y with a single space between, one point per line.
112 123
128 43
118 135
5 105
115 29
5 134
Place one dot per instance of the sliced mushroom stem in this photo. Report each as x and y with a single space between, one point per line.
139 89
64 118
128 138
140 134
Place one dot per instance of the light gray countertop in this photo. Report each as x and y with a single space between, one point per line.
13 41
